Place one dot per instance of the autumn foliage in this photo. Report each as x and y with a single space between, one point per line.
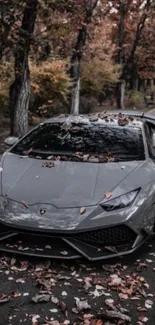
119 43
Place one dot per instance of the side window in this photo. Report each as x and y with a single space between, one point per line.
149 138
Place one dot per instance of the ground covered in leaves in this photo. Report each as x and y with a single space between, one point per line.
37 292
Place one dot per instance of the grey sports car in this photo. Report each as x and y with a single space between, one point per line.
79 187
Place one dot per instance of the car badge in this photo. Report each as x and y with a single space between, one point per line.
42 211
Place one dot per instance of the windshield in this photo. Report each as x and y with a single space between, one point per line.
121 143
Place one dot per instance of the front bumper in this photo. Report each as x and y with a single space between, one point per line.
65 234
93 245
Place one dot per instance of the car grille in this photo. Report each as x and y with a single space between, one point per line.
108 236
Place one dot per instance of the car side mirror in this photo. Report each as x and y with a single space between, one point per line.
10 141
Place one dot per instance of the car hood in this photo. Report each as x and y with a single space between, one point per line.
66 185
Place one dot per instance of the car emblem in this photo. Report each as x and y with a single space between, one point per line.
42 211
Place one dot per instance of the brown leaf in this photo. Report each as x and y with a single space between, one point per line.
41 298
111 249
82 305
115 315
123 296
4 299
63 307
82 210
25 204
75 311
108 195
99 322
13 261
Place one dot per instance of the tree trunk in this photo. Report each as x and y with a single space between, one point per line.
121 94
75 70
75 93
20 89
20 95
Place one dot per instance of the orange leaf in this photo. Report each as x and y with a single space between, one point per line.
108 195
82 210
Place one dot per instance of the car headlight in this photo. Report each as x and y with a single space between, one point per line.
120 202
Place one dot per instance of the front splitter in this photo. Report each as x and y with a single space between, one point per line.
59 247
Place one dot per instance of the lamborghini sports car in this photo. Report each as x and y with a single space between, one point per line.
79 186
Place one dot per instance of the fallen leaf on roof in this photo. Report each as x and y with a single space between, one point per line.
108 195
82 210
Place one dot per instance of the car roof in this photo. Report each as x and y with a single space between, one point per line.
134 118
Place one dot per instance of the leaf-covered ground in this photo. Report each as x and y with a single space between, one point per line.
37 292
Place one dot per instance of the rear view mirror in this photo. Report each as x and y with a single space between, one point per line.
10 141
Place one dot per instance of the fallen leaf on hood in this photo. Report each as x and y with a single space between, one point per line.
82 304
148 304
82 210
108 195
41 298
25 204
64 293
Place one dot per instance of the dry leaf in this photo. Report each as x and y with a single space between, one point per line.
4 299
148 304
82 210
111 314
123 296
41 298
108 195
82 304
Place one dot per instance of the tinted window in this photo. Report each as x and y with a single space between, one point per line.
94 138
